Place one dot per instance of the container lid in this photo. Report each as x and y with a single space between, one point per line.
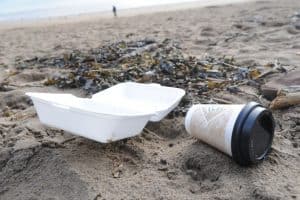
252 135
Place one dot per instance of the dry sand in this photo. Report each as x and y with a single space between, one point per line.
37 162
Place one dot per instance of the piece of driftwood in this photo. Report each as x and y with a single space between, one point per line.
223 101
286 99
276 69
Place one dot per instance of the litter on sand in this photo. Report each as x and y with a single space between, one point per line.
116 113
153 98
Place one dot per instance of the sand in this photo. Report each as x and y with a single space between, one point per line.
164 162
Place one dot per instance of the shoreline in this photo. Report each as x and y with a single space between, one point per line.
107 15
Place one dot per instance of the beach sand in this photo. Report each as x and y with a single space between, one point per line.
164 162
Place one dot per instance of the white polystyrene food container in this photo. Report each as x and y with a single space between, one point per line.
149 97
102 118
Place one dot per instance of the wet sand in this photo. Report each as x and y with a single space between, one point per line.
164 162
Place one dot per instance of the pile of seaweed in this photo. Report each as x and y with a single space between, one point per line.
146 61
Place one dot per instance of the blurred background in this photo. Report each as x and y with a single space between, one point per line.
31 9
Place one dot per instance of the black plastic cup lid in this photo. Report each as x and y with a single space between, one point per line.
252 134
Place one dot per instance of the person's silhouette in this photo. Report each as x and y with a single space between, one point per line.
114 11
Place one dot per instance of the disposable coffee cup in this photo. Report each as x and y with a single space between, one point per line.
244 132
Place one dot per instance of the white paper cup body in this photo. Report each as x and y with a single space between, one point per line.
213 124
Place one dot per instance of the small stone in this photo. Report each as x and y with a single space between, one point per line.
116 174
214 74
171 175
166 67
163 161
163 169
295 145
253 83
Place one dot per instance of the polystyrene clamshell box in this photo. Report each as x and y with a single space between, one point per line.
116 113
149 97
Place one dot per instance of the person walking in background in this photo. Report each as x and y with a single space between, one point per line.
114 11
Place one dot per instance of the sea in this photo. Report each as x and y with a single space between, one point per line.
36 9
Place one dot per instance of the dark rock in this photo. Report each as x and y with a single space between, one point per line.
163 161
214 74
233 89
166 67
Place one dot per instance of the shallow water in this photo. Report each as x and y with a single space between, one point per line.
32 9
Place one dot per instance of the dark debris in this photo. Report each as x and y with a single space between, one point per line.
146 61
